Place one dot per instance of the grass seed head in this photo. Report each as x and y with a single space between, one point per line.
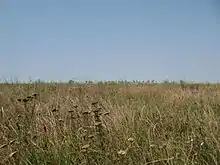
106 113
122 152
4 145
85 147
34 94
12 154
12 141
131 139
98 124
61 120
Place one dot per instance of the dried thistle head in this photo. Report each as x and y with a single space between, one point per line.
91 136
29 97
86 112
19 99
95 103
54 110
98 124
25 100
34 137
45 128
97 110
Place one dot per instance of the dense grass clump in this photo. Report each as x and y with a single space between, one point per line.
109 123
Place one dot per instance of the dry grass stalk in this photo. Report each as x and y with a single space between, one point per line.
127 124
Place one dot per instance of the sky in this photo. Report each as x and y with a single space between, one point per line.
110 40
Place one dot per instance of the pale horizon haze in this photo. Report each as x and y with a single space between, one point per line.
110 40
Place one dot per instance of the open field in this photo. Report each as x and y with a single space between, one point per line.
105 124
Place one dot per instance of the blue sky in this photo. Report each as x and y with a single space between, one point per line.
110 39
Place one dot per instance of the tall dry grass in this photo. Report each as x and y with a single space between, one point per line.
121 124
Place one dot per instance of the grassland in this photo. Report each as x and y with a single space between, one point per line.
109 123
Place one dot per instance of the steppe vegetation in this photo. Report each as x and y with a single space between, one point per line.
109 123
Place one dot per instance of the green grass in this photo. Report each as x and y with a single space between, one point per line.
109 123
